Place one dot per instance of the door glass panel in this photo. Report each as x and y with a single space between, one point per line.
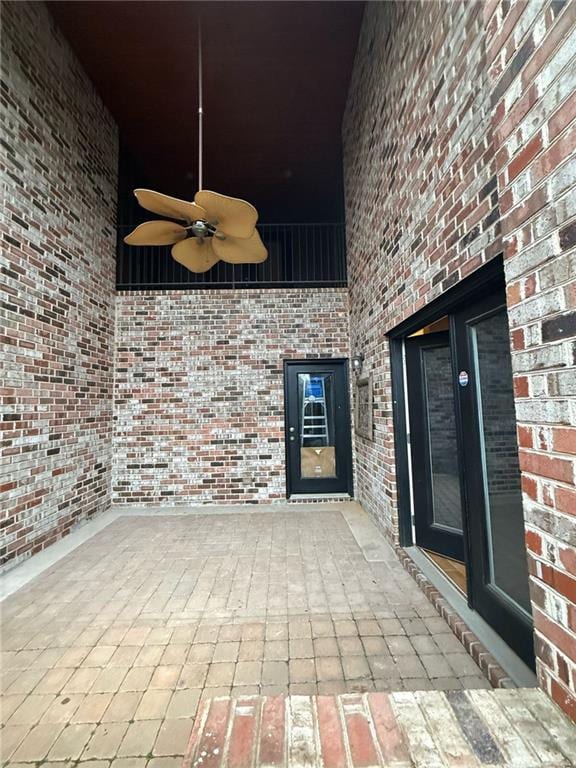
504 519
316 428
446 503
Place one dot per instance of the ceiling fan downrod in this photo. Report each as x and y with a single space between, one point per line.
217 227
200 109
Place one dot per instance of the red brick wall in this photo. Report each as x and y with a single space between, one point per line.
531 59
58 161
199 398
421 198
457 136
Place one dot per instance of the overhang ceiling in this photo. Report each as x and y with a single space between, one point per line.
276 76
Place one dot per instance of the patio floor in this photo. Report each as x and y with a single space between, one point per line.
107 653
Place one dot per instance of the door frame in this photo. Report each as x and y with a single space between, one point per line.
482 282
504 615
311 362
447 543
472 290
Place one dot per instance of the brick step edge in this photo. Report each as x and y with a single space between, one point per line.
497 676
421 729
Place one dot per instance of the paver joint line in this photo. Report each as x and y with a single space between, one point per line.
153 616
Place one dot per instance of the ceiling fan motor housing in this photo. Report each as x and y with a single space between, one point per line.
201 228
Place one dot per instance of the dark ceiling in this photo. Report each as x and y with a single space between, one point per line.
276 76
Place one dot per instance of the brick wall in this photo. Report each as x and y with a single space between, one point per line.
458 133
421 197
531 60
58 161
199 398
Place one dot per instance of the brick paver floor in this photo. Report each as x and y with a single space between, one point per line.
106 655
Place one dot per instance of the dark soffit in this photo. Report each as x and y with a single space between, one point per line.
276 76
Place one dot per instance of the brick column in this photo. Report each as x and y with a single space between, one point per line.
530 50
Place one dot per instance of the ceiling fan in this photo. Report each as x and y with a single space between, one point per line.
216 227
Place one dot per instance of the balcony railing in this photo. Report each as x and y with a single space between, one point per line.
299 255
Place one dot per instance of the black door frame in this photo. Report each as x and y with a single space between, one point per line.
430 536
481 284
483 281
513 625
346 424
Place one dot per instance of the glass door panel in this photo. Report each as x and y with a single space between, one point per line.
498 567
506 552
446 504
317 433
437 501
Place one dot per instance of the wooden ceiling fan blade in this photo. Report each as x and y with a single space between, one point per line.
156 233
234 250
195 254
169 206
234 217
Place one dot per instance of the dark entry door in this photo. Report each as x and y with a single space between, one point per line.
433 444
498 568
318 440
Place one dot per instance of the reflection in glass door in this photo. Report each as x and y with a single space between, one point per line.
499 572
506 554
316 405
433 445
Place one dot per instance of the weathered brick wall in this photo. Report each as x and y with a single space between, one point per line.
199 398
58 161
458 134
421 198
531 60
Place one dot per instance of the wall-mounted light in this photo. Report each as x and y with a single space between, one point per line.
357 362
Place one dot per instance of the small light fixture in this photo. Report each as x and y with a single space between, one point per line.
357 362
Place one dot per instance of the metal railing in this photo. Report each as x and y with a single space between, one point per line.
299 255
